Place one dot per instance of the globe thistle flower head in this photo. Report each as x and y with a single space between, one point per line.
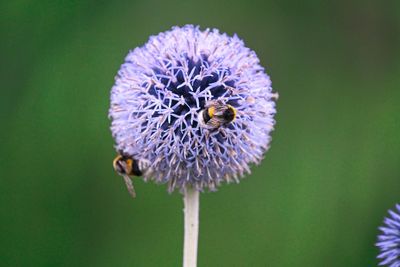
195 106
389 240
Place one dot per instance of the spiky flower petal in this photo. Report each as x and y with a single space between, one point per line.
162 88
389 240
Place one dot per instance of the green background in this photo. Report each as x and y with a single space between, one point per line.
317 199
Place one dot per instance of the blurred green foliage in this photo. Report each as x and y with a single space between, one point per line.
317 199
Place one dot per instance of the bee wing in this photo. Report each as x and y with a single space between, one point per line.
129 185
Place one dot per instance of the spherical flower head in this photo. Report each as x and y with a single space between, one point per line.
167 90
389 240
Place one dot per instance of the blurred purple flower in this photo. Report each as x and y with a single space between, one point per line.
389 240
162 88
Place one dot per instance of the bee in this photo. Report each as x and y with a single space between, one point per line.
127 167
217 114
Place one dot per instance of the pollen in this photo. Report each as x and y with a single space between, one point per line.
211 111
129 164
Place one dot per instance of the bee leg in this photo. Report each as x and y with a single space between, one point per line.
129 185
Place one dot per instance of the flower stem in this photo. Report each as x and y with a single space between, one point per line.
191 211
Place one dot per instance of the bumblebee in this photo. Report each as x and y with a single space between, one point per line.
217 114
127 167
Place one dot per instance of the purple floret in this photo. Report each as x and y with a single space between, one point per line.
162 87
389 240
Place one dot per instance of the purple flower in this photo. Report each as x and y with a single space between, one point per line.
389 240
195 106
